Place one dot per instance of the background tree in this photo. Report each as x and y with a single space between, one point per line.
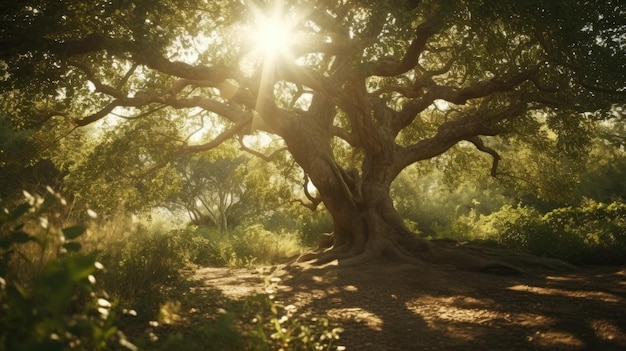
396 83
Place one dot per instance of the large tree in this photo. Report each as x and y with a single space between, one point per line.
396 82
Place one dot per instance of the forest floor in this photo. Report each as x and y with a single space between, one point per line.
387 306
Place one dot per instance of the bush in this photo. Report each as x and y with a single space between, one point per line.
58 307
242 247
255 244
141 263
594 233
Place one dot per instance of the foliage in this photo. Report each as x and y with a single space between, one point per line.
60 307
593 233
280 327
362 91
241 247
140 261
205 320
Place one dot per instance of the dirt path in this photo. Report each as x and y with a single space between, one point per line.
386 306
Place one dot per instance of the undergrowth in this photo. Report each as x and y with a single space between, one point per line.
121 284
593 233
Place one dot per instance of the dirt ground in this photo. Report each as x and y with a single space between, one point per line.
386 306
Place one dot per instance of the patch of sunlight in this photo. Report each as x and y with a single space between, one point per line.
437 311
579 294
170 313
358 315
606 330
564 279
350 288
555 340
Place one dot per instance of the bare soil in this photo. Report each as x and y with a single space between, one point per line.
387 306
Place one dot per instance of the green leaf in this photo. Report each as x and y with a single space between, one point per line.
19 211
72 246
74 232
20 237
81 267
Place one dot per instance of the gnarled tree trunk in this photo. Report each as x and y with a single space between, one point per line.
366 224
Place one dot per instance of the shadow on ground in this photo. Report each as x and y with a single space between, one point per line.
387 306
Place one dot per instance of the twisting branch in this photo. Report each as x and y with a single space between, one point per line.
227 134
187 149
315 200
345 136
458 96
258 154
98 115
101 87
480 145
393 68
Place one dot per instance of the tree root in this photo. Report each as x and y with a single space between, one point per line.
467 258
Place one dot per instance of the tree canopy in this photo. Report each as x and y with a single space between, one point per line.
355 91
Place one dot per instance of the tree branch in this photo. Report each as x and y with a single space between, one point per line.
458 96
100 87
347 137
227 134
393 68
495 85
480 145
451 132
315 200
258 154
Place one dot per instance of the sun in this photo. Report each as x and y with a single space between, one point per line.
272 34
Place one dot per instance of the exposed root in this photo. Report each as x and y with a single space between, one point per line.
416 251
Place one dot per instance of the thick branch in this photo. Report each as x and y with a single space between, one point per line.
393 68
347 137
315 200
459 96
98 115
141 100
100 87
311 78
480 145
451 132
98 42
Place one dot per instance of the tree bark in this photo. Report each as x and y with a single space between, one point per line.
366 224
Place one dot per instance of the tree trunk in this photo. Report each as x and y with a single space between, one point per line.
366 224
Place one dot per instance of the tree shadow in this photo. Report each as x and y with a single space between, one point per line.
388 306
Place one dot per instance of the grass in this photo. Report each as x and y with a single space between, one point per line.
121 284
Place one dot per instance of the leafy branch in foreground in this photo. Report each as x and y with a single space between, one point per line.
60 306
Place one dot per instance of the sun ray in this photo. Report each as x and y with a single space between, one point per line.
271 36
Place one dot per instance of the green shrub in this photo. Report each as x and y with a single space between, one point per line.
58 307
242 247
594 233
205 246
255 244
141 262
281 327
